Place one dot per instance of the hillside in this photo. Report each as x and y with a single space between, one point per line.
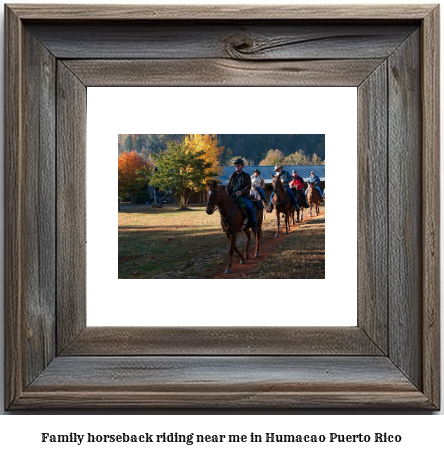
252 147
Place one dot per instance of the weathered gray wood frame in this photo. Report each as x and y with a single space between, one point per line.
390 360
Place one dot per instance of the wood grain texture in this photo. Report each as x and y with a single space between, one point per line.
89 374
372 207
127 341
430 205
208 72
258 40
38 221
220 12
71 206
30 205
405 209
13 207
234 382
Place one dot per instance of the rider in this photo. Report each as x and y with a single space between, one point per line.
285 179
258 183
317 181
297 185
240 182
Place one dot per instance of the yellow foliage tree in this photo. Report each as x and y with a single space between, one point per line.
208 144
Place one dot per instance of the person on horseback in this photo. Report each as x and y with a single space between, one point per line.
285 179
258 183
239 183
297 185
315 179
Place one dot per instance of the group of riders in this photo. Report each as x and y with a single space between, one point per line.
241 184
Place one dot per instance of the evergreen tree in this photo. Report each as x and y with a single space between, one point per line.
129 145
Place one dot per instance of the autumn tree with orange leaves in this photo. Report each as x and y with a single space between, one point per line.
129 179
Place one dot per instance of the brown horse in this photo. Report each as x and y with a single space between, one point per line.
301 203
313 198
232 221
282 204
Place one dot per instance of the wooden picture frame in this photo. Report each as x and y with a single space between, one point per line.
390 360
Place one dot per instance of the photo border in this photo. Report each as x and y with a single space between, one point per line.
390 360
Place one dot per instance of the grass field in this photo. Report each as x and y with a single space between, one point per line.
166 243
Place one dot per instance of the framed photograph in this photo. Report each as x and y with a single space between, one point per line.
390 359
174 246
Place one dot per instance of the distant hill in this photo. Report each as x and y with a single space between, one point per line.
252 147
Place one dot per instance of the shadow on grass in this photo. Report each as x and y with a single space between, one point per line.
164 253
301 255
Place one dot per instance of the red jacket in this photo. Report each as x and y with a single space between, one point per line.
297 183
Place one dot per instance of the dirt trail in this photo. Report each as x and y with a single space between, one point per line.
268 245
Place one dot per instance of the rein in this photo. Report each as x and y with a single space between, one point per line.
222 208
276 196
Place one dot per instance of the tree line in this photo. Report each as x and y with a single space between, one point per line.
184 163
253 148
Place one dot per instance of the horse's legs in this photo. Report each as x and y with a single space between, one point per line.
239 253
277 219
287 222
247 244
235 246
258 236
230 252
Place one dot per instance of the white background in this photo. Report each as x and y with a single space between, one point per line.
278 110
20 434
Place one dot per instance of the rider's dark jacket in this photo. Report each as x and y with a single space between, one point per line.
239 182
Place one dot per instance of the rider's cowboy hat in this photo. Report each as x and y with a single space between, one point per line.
277 167
239 161
256 171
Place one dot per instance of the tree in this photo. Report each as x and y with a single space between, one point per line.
228 156
129 145
182 170
129 180
273 158
315 160
208 144
138 143
297 158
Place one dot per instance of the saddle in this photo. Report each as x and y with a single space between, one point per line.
240 203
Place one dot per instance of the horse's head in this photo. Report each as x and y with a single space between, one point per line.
212 197
277 184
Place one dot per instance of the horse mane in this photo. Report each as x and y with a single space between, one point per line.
222 194
281 186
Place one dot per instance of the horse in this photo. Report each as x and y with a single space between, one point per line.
313 197
301 203
232 221
282 204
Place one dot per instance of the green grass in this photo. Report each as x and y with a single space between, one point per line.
299 256
166 243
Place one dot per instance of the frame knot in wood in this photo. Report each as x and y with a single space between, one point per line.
239 45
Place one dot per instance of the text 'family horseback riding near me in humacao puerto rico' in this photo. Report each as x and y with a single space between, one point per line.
223 206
